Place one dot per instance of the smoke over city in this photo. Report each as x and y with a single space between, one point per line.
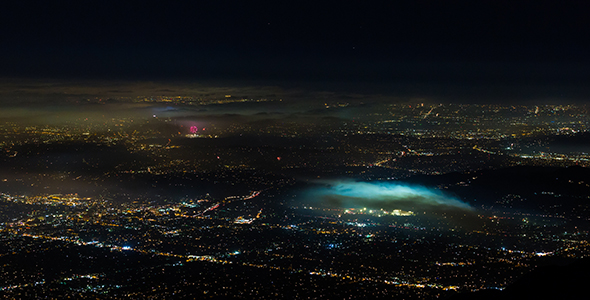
384 195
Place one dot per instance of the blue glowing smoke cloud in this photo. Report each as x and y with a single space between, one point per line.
386 195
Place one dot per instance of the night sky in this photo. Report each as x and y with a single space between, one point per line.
515 49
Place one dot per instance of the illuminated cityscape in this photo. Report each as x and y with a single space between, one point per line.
383 204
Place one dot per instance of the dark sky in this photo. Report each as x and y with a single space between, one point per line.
403 43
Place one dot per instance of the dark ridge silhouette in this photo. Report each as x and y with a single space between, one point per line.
490 185
547 282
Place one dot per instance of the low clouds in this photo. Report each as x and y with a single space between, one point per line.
388 196
57 102
31 91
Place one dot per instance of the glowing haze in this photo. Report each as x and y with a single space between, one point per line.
386 195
